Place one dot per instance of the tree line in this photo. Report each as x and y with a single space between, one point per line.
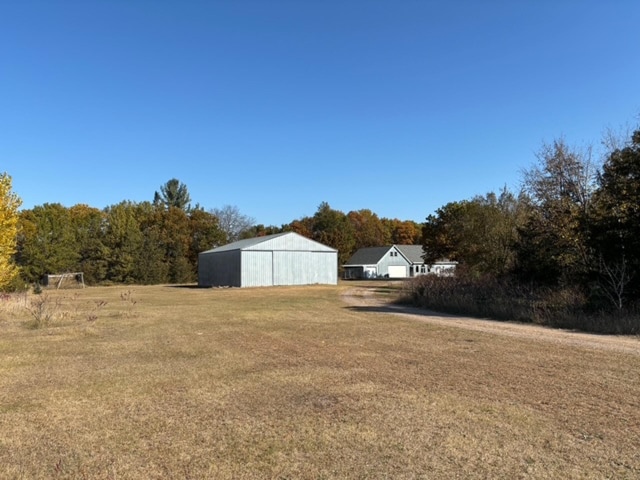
570 237
573 231
158 241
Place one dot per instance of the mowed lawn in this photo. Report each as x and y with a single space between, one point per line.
292 383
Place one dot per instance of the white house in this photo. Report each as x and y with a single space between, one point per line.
395 261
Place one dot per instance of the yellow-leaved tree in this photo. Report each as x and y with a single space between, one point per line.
9 204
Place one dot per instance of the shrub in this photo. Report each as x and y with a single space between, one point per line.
43 310
488 297
16 285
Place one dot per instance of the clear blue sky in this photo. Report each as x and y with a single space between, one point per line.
275 106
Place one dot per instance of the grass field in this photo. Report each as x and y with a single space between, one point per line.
287 383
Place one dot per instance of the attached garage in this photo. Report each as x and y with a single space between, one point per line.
281 259
397 271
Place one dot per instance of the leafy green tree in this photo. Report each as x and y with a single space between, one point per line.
173 194
615 224
47 241
9 204
479 233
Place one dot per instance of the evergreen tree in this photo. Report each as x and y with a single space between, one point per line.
47 242
173 194
151 266
124 242
176 238
88 223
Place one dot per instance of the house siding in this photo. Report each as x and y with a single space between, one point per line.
388 260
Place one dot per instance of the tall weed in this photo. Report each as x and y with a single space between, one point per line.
42 309
488 297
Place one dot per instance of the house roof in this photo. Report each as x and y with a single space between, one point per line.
277 241
413 253
368 255
372 255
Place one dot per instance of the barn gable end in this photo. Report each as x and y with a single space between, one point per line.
280 259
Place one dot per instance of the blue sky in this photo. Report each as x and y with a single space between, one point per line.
276 106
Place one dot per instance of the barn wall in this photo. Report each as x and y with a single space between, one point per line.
288 259
305 268
219 269
257 269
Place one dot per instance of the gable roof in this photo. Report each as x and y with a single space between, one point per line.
413 253
372 255
368 255
277 241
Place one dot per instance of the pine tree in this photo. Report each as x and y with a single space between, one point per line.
173 194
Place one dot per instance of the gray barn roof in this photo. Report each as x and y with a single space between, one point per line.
277 241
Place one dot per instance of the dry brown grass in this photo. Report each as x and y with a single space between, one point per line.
293 383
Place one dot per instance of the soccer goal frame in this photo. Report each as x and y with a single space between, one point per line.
64 280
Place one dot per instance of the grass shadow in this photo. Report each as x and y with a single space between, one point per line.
401 309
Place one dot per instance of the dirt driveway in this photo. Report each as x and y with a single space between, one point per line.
364 299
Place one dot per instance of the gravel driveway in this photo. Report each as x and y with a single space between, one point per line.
365 299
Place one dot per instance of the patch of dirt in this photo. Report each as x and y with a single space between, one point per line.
365 299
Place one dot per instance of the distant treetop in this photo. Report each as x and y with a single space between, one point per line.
173 194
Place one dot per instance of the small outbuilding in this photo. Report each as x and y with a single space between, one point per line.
394 261
280 259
